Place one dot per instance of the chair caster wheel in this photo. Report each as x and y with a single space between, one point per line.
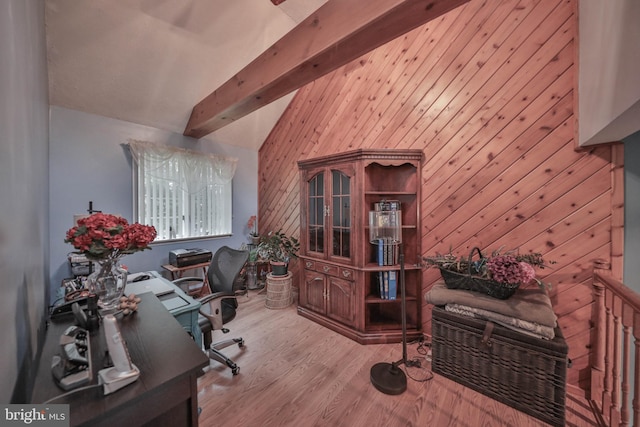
234 368
241 344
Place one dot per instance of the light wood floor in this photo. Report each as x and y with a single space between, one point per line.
294 372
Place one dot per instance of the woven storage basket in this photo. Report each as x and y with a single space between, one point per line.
526 373
279 291
470 282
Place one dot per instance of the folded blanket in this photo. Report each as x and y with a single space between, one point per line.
528 328
531 304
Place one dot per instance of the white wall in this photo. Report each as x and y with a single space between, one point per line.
609 58
88 162
632 211
631 273
24 128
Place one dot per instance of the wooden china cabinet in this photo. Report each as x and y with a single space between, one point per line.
340 287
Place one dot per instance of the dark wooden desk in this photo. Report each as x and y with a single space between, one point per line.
169 363
185 314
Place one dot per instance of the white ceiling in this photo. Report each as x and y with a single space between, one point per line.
150 61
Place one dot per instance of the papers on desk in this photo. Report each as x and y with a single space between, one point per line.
156 285
174 302
160 287
150 281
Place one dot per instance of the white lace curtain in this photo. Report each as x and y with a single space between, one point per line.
190 170
182 193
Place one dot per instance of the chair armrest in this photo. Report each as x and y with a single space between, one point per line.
218 295
187 279
211 308
185 283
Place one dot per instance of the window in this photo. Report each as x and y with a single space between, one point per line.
183 194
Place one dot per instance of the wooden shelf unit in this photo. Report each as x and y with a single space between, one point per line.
340 287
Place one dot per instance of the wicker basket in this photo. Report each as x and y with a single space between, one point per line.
470 282
278 291
523 372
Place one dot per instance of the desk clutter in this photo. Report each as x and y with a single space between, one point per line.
182 306
510 350
72 367
129 303
163 395
80 265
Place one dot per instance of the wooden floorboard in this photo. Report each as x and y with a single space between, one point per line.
294 372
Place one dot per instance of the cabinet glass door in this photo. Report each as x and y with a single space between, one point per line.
316 214
341 212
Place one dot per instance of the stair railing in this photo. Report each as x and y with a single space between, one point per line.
616 318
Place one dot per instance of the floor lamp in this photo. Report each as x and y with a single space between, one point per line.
385 228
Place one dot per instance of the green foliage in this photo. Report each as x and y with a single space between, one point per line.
253 255
278 247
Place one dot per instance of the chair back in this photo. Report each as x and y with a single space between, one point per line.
226 265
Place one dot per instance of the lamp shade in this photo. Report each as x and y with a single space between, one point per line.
385 225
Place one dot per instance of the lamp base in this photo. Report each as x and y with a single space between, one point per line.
388 378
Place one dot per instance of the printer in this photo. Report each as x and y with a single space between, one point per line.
187 257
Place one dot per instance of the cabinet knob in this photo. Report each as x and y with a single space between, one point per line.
346 273
309 264
325 268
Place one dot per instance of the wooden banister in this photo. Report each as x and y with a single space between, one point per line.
616 319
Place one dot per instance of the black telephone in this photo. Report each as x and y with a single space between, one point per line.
84 309
71 368
67 307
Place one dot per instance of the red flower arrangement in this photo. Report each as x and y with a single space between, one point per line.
102 236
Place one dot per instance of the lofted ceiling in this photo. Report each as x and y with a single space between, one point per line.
150 61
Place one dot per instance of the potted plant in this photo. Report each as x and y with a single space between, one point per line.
278 249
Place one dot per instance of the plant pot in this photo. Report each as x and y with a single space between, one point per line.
255 240
279 268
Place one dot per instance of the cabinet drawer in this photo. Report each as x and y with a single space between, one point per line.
331 270
347 273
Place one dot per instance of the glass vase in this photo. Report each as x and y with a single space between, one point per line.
107 282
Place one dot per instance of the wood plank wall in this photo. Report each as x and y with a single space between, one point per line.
487 91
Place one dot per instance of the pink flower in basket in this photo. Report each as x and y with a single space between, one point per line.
507 269
484 274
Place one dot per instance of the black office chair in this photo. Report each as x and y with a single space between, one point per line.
219 307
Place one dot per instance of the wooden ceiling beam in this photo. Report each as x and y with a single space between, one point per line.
337 33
